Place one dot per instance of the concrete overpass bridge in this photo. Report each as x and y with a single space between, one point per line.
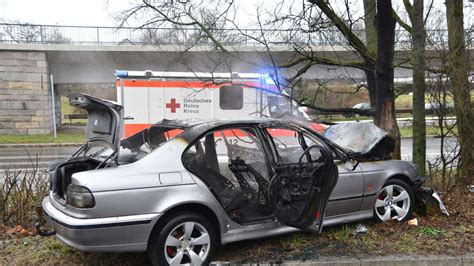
85 58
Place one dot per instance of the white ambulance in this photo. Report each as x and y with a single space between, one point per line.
149 97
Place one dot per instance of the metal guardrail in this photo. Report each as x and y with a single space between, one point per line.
75 116
95 35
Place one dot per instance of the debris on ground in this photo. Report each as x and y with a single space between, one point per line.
413 222
435 235
17 231
360 229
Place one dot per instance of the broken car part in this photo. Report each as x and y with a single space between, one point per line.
427 195
366 141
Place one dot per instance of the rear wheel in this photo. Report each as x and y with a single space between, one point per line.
183 239
395 202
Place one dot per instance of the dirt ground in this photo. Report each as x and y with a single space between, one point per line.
436 234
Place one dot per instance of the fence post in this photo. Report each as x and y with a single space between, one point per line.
53 102
98 39
246 37
41 33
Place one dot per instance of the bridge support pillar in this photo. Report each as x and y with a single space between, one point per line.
25 94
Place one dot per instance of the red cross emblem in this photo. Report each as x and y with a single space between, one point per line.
173 105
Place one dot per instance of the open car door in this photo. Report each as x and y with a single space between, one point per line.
105 120
300 191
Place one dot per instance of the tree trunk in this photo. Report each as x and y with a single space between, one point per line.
458 74
371 43
419 87
385 116
370 77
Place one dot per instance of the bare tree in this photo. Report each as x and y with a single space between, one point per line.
385 91
444 166
194 15
371 42
319 16
418 33
458 66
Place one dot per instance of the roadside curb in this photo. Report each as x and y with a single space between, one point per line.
35 145
463 260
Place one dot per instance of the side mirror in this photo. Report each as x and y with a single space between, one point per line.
355 163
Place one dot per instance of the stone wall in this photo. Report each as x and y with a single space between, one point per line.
25 93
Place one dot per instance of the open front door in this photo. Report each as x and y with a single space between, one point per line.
304 179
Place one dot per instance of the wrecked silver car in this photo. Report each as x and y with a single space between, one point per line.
179 189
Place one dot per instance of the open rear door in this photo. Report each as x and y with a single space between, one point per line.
300 191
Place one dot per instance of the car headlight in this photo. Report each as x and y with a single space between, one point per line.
79 197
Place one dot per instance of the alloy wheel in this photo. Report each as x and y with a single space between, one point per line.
187 244
393 203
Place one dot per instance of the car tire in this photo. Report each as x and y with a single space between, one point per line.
395 201
181 236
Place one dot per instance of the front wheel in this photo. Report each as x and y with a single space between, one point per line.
183 239
395 202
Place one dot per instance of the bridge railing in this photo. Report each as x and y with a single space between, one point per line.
91 35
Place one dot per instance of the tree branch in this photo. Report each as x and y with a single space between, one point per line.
401 22
352 39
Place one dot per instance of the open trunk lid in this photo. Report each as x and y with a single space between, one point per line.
105 119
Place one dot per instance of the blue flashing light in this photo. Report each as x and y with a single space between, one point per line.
121 73
268 80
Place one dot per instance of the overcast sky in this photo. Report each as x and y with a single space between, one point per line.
101 12
62 12
84 12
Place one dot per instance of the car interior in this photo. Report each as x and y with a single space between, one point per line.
232 164
61 172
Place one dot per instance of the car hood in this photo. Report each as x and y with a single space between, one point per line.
365 140
105 119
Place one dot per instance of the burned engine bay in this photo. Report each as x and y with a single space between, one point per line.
364 141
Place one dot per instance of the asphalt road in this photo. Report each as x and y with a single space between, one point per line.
33 157
433 146
21 158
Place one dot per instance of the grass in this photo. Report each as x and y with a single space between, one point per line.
436 235
62 138
408 131
67 109
404 101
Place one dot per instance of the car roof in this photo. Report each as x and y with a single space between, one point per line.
196 127
189 123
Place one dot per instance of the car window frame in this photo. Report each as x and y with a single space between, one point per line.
303 130
272 141
258 134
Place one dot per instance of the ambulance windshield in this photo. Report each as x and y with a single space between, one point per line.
282 107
